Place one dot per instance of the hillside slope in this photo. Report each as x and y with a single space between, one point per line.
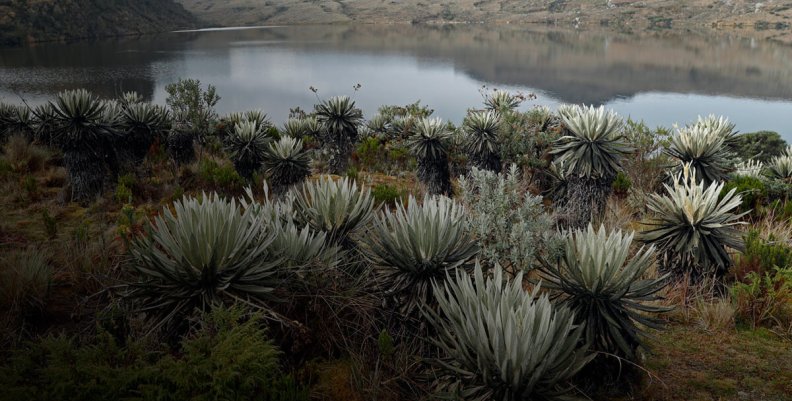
653 14
26 21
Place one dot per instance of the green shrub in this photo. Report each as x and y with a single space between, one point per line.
221 177
123 194
762 255
525 138
752 190
192 105
621 184
225 357
352 173
761 146
765 299
369 154
127 180
386 194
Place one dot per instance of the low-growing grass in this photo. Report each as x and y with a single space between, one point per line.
689 363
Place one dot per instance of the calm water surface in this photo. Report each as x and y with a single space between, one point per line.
662 80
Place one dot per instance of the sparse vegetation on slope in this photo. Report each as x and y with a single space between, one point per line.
26 21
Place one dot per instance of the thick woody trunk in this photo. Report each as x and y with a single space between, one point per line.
435 175
585 201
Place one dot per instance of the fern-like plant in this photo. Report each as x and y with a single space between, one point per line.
607 292
502 343
339 119
429 144
206 251
415 245
286 163
482 142
693 225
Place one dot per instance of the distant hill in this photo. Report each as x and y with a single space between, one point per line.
766 15
26 21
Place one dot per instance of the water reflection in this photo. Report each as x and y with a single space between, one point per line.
660 79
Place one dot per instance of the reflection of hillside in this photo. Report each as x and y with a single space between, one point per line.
575 66
107 68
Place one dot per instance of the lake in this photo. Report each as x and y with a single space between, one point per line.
662 78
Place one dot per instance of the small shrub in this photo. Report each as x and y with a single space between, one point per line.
386 194
369 154
762 255
752 190
123 194
508 222
352 173
219 176
525 138
225 357
192 104
127 180
761 146
765 299
621 184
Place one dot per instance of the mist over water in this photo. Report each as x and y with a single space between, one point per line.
662 80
